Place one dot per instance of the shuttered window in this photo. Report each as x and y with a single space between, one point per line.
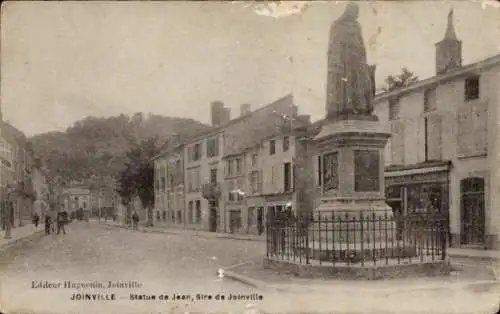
394 108
397 142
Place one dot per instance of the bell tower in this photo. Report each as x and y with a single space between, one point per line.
448 50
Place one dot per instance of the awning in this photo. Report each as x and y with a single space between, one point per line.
418 174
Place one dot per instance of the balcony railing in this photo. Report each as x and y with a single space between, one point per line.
210 191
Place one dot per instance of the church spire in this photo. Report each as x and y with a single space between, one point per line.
450 29
448 50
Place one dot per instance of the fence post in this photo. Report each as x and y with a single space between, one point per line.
267 238
444 239
307 228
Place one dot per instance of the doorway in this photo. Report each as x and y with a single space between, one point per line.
472 211
234 221
213 215
260 220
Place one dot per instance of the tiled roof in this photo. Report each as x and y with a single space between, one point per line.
285 99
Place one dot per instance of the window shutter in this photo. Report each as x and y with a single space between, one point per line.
397 142
318 170
434 133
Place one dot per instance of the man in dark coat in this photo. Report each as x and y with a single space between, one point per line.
48 222
135 220
62 218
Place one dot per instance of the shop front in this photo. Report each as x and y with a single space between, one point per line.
418 189
256 218
279 206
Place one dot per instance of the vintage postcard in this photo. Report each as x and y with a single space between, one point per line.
250 157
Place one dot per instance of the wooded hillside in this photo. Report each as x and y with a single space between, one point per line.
98 146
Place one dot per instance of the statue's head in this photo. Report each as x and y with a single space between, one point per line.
351 10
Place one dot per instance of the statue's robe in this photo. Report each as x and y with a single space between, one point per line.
349 83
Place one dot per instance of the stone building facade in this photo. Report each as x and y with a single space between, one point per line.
169 185
17 163
204 163
443 143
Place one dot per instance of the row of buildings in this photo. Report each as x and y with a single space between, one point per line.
440 157
23 180
95 197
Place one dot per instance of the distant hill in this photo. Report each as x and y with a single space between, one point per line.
97 146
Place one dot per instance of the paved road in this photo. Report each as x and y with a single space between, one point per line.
167 264
163 264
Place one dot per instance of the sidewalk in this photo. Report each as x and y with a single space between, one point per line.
19 234
445 294
483 255
476 254
186 232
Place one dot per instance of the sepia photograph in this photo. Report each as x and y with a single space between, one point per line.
250 157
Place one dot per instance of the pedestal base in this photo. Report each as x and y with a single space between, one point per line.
353 222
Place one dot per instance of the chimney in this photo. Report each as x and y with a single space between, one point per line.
225 115
216 112
245 109
448 50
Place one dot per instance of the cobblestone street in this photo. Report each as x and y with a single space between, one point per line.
89 252
181 264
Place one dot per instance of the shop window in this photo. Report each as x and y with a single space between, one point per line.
394 192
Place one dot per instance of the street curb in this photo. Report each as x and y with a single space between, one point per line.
222 236
475 258
261 285
16 242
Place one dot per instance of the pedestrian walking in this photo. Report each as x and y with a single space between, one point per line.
36 220
62 219
48 224
135 220
53 220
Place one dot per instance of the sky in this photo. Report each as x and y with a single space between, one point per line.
62 61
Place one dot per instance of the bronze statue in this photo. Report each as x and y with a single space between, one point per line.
350 87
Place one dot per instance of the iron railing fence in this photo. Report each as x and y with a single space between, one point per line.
366 238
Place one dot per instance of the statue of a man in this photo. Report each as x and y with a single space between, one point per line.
349 82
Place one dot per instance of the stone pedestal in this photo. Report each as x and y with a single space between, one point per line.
352 201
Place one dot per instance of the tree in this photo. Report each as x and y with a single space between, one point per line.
138 177
404 79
